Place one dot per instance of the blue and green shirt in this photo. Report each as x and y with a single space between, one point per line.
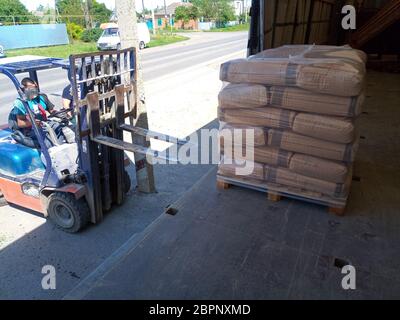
19 109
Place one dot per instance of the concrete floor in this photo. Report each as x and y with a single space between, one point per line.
233 244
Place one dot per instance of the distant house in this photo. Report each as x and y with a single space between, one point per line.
167 15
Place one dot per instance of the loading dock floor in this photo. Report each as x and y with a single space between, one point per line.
235 244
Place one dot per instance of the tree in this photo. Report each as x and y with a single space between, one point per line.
206 8
99 12
74 31
71 11
219 10
193 12
182 13
186 13
13 11
74 11
225 11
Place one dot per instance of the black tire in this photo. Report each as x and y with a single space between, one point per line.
127 182
67 213
142 45
3 201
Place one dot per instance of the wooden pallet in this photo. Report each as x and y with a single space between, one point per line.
274 195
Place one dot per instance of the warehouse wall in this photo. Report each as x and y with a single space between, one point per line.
302 21
297 21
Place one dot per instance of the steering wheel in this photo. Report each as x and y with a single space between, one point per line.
62 114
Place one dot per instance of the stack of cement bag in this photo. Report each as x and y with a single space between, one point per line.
302 103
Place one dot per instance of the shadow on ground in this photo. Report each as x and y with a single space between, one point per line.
75 256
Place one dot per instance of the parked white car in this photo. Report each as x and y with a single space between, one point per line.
110 39
2 54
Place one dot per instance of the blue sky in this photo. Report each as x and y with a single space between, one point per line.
33 4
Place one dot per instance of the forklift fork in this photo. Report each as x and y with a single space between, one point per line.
104 90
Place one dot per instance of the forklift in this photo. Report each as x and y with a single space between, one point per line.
75 183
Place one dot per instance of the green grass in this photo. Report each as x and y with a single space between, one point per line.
163 39
239 27
185 30
63 51
77 47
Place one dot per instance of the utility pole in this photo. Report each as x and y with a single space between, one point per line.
243 11
127 25
86 11
165 14
154 21
165 8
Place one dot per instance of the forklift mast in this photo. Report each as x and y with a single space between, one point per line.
104 87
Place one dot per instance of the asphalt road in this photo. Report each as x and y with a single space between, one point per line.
156 62
27 242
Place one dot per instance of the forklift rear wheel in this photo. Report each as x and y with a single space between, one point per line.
67 213
127 182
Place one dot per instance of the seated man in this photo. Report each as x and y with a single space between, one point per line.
67 97
19 121
67 101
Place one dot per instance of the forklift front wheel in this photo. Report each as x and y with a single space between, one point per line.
67 213
127 182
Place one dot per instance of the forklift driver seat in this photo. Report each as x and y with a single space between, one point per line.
17 135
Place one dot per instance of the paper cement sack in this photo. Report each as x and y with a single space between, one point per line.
238 134
315 52
306 165
290 141
285 177
229 168
329 70
323 127
303 100
244 95
288 178
319 168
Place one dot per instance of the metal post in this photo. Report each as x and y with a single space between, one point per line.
165 14
127 24
154 21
